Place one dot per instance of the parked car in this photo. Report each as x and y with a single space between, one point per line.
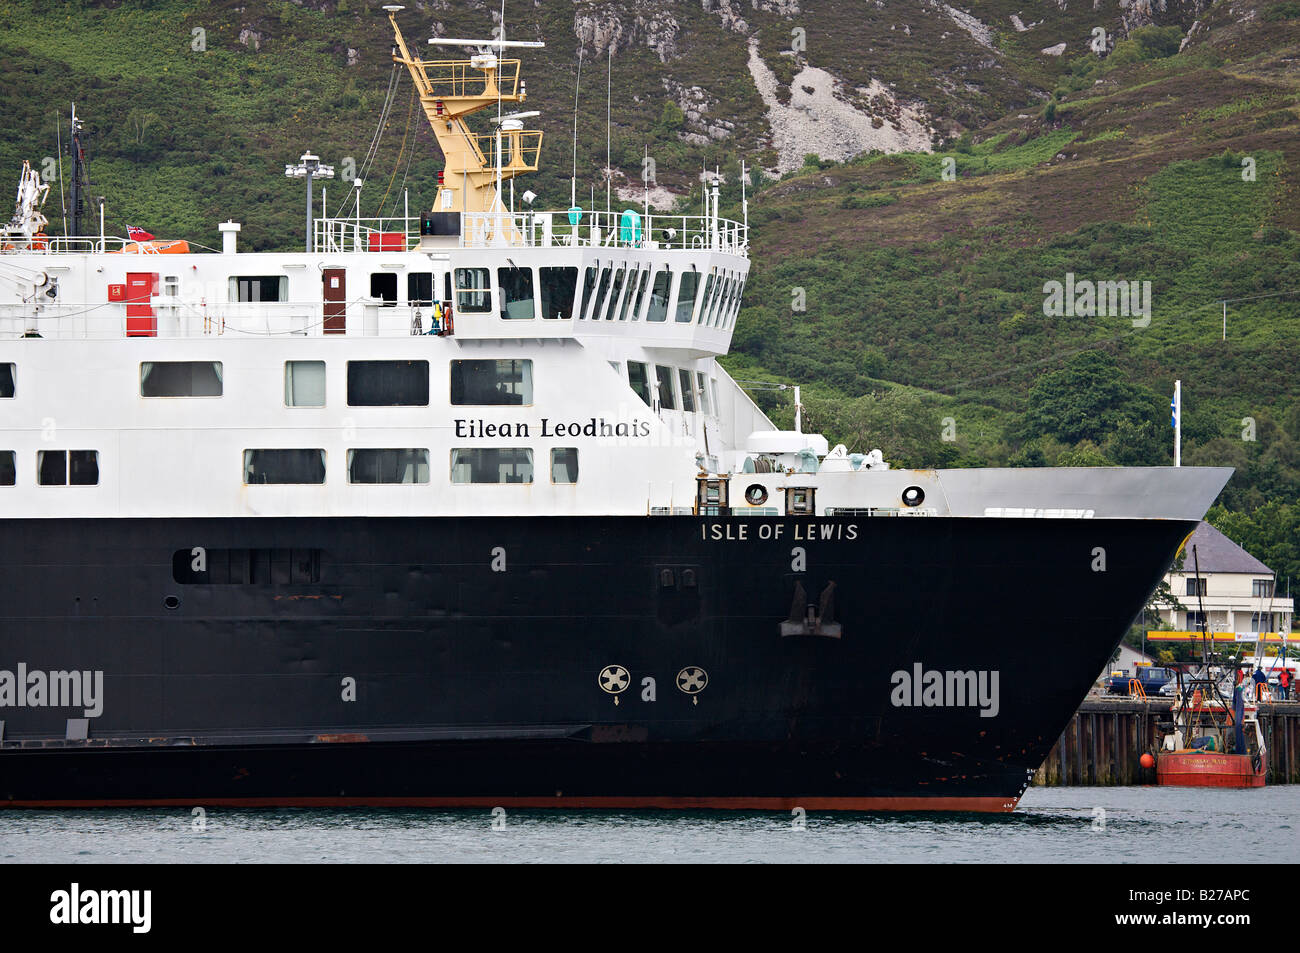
1150 677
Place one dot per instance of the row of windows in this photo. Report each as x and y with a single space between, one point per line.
1259 588
406 383
307 466
1259 621
54 467
370 383
674 388
615 290
408 466
621 291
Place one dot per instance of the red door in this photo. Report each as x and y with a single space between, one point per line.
140 320
336 296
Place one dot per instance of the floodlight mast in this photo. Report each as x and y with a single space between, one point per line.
309 167
449 92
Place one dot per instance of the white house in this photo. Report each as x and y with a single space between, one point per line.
1234 593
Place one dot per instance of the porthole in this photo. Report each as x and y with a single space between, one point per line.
756 494
913 496
172 602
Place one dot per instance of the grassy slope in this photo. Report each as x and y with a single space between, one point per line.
944 279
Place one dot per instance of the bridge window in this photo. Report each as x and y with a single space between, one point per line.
615 292
67 467
640 293
259 288
304 383
492 465
686 291
719 296
284 466
7 374
659 296
180 379
388 383
491 382
383 285
704 394
419 289
473 290
707 297
558 288
665 375
388 466
8 468
639 379
564 465
594 312
588 289
688 392
631 292
516 294
735 308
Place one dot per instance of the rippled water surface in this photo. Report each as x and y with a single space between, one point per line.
1128 824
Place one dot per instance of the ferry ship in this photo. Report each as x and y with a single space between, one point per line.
463 510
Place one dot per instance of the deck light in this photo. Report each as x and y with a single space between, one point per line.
309 167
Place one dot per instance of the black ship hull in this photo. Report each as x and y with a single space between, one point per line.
838 662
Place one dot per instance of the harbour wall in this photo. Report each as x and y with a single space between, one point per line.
1106 738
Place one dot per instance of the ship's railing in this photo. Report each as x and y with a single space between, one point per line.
394 233
589 229
184 317
533 229
78 245
455 79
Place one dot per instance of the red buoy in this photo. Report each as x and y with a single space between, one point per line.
1147 761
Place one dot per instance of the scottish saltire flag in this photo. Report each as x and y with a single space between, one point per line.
1173 412
137 234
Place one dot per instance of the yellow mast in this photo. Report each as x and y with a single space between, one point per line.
450 90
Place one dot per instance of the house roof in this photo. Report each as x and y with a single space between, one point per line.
1216 553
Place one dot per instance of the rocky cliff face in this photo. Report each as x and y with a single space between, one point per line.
839 77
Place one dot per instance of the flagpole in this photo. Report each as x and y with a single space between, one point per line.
1178 423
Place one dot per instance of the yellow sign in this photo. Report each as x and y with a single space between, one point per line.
1163 636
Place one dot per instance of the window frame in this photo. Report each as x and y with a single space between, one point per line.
523 374
576 467
235 289
428 382
531 463
672 386
221 381
528 280
351 458
485 291
245 461
324 395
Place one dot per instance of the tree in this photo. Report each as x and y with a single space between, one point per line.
1087 399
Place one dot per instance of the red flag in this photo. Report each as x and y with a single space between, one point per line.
138 234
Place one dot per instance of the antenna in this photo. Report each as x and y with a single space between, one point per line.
609 87
573 182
